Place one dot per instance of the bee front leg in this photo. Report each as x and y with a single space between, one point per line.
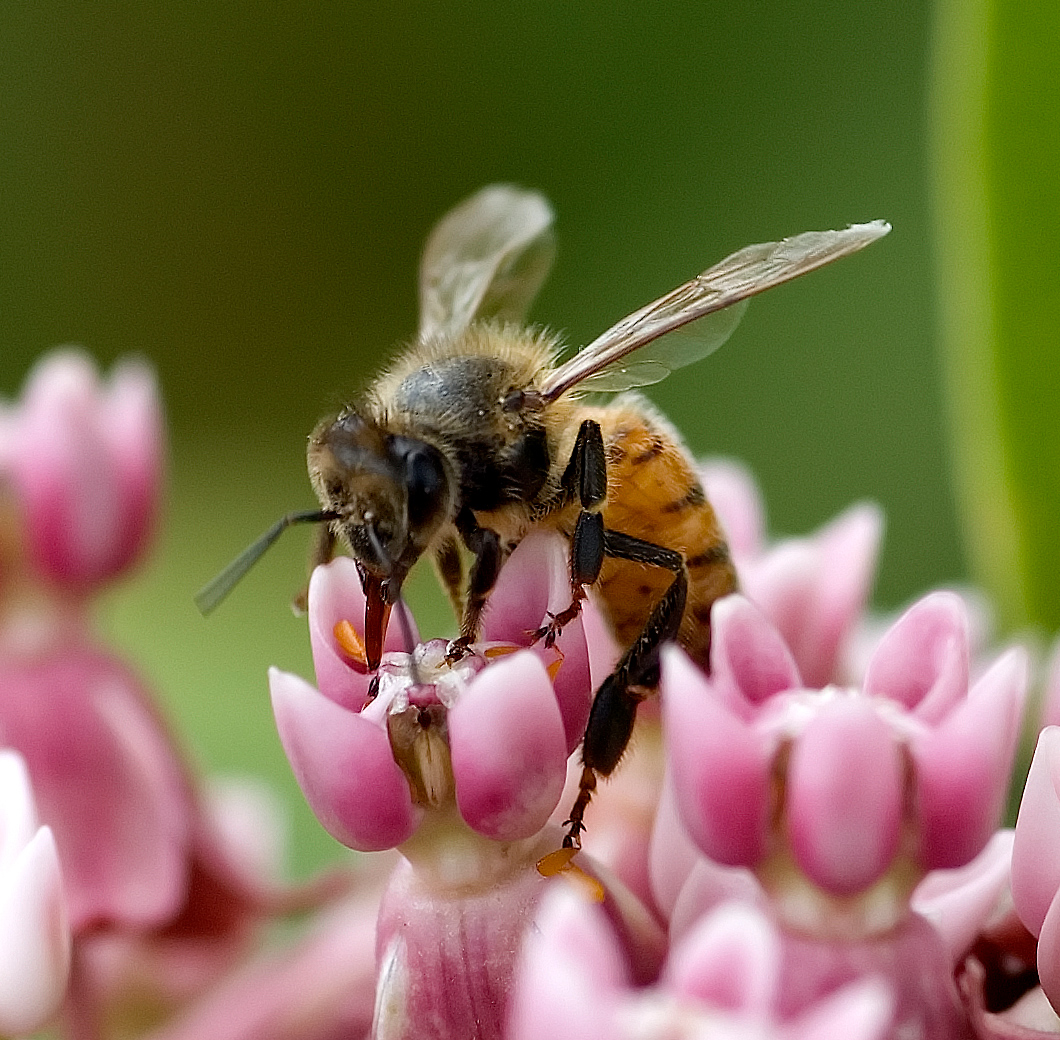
321 550
614 709
486 545
586 475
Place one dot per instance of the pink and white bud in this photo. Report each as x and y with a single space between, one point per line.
83 458
34 923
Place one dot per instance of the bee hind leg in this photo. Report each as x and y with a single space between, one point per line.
586 475
614 709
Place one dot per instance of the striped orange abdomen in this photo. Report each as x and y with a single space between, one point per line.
655 494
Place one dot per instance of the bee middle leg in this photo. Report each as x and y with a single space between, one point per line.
586 476
614 709
489 555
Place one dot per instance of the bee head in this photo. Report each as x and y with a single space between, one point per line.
390 494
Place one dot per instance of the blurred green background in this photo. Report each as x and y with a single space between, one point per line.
239 192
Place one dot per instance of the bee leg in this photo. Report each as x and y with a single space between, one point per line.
486 545
614 709
586 475
321 550
450 570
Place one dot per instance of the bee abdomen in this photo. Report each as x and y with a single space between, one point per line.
654 493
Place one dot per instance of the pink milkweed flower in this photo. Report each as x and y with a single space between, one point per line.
723 980
459 764
842 794
490 741
813 589
82 460
34 923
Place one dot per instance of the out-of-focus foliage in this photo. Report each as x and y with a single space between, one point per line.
996 107
240 191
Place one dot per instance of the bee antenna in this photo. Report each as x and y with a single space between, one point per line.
213 592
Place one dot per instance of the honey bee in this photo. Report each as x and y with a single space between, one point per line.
479 432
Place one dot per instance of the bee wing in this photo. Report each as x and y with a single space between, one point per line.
715 300
485 258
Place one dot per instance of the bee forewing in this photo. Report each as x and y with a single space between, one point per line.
735 279
485 258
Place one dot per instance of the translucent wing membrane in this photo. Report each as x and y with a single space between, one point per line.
486 258
710 301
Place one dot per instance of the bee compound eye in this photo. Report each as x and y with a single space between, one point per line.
424 482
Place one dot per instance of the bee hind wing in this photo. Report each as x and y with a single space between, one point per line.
714 300
486 258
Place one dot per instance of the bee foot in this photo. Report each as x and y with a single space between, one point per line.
458 650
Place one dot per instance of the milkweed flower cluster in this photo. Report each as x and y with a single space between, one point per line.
801 844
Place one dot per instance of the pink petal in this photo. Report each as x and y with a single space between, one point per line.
110 786
335 595
960 902
732 491
862 1010
1049 953
749 660
963 766
508 747
814 589
34 938
672 854
922 660
720 769
344 765
18 813
844 797
1035 864
534 580
570 974
730 960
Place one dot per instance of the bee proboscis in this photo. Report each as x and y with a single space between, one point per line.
478 433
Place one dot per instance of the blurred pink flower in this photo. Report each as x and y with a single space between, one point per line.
813 589
723 980
154 886
83 460
34 923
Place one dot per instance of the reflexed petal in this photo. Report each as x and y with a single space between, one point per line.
508 747
720 768
844 797
963 766
959 902
922 660
344 765
34 938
